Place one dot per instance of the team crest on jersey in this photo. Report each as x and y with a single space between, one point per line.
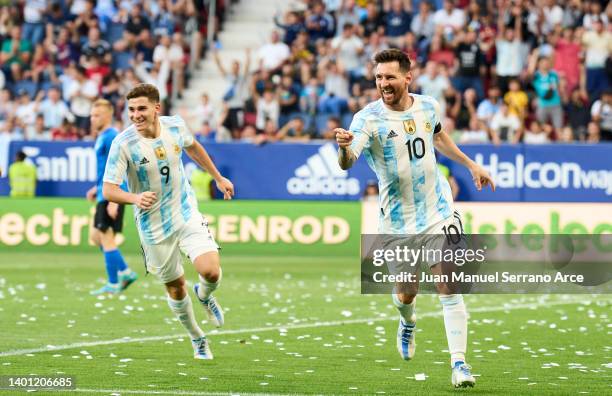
427 126
409 127
177 149
160 153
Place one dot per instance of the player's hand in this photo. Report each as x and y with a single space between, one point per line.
145 200
481 177
226 187
113 210
344 138
91 193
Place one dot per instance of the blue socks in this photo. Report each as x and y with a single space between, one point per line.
114 263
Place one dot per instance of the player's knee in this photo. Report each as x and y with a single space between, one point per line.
212 275
405 298
176 289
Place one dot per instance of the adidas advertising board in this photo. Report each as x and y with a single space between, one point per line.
286 171
321 174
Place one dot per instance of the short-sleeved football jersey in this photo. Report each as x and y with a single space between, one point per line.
398 146
155 165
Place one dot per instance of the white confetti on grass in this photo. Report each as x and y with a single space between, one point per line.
420 377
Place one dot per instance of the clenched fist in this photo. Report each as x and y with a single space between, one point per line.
344 138
145 200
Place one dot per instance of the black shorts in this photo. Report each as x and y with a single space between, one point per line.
102 221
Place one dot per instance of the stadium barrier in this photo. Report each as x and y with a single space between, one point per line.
284 228
240 227
523 173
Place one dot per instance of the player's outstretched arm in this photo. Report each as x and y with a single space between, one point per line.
344 138
199 155
114 193
446 146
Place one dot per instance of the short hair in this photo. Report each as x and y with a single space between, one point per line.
149 91
21 156
393 55
103 103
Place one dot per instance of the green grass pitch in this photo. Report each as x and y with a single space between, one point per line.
293 326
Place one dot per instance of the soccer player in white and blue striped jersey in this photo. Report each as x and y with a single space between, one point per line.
148 154
398 134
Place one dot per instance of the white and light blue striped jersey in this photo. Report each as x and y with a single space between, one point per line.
155 165
398 146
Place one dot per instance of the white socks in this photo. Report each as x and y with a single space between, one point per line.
206 287
455 322
406 310
184 312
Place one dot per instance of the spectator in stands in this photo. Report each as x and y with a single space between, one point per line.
288 96
33 15
319 23
567 136
517 100
206 133
95 47
593 14
12 128
138 26
397 21
22 177
38 130
601 111
370 194
423 25
450 19
375 43
470 63
509 50
15 55
53 109
81 92
235 94
433 83
273 54
268 109
567 56
536 134
26 109
348 48
506 127
466 109
593 133
578 114
373 21
331 124
440 52
7 106
310 96
547 87
292 26
66 131
490 106
347 14
294 131
476 133
335 98
598 47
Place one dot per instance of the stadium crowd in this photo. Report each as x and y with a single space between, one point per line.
504 71
58 56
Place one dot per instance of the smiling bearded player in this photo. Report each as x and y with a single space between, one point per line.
398 133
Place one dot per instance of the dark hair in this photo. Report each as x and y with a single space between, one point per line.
149 91
21 156
393 55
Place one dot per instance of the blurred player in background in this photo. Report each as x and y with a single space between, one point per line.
398 134
108 219
166 211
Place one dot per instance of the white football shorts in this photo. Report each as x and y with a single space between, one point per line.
164 259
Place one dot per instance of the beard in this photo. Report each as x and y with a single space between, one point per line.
393 97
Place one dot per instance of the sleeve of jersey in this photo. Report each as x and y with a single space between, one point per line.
362 137
116 165
437 122
186 135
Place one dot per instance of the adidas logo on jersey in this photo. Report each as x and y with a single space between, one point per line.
391 134
322 175
144 161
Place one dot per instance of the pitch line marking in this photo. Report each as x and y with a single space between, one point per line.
180 393
126 340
